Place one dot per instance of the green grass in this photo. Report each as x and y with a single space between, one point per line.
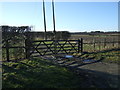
109 56
14 54
38 73
98 47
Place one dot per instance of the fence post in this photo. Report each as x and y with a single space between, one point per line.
99 45
113 42
7 50
81 45
94 43
104 42
78 45
27 48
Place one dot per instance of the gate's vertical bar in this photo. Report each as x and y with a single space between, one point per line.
7 50
55 48
27 48
81 45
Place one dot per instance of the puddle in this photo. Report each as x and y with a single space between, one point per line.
68 56
88 61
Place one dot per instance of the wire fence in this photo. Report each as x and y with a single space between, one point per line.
99 46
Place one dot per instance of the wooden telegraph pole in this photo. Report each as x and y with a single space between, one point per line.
54 31
53 17
45 36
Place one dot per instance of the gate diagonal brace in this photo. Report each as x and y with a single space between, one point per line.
35 48
72 49
48 48
73 46
62 47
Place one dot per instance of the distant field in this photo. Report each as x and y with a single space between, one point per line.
98 42
98 37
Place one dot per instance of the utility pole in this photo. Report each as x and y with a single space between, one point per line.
54 31
45 36
53 17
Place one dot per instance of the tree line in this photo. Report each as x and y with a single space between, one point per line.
10 32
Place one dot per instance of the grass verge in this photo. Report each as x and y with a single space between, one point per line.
108 56
38 73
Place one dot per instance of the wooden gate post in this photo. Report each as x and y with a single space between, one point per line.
113 42
7 50
104 42
99 46
27 48
80 45
94 44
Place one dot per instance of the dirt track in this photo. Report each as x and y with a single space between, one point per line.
98 74
102 75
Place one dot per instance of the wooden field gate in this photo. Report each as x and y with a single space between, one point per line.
53 47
